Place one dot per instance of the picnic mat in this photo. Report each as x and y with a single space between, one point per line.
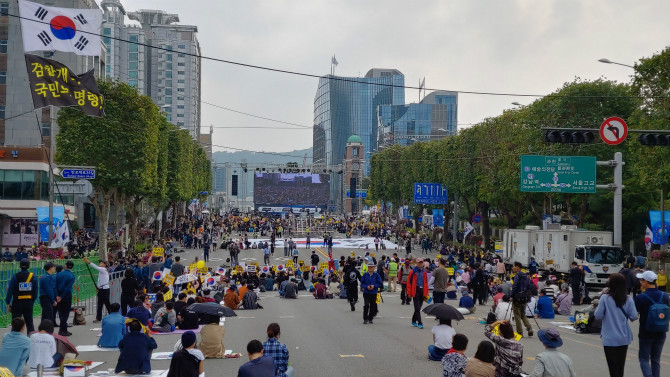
177 331
54 371
91 348
105 373
168 355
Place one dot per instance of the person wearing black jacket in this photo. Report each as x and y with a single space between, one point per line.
576 277
188 361
479 286
129 289
521 292
351 279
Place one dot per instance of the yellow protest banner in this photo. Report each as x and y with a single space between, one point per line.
450 270
496 331
167 295
169 279
290 264
157 251
192 267
301 262
4 372
323 265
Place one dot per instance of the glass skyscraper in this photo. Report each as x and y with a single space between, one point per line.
345 106
435 117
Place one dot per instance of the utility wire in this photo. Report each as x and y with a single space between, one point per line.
331 77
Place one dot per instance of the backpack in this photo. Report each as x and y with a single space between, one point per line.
523 295
249 300
658 315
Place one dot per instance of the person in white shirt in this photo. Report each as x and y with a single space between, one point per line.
43 346
504 310
443 334
530 307
103 288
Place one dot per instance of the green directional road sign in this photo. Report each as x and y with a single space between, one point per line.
568 174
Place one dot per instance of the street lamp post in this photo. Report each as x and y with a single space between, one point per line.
607 61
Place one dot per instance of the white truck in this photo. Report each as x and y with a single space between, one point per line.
560 247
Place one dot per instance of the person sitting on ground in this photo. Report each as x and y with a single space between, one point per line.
113 328
291 289
243 288
250 301
563 303
135 347
498 296
43 346
282 287
166 319
232 299
551 362
320 290
258 365
156 305
455 361
212 338
482 364
277 351
544 308
334 286
466 305
509 351
269 283
504 309
443 334
530 307
139 312
451 291
15 348
187 361
207 295
188 319
180 303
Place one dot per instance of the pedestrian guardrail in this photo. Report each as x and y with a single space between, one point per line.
83 290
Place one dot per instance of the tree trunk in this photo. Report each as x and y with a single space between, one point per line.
133 215
487 226
446 211
164 219
104 222
583 208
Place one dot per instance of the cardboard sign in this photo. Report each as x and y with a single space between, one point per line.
167 295
169 279
450 270
157 252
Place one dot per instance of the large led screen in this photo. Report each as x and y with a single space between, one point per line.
291 190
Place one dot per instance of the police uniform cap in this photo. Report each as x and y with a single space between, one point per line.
24 264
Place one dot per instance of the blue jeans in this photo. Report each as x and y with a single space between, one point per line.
436 354
650 349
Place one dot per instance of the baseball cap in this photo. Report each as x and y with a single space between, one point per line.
24 264
649 276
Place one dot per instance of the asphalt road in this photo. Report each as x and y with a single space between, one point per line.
326 339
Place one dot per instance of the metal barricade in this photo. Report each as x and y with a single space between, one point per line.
115 279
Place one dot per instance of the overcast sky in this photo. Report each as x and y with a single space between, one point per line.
494 46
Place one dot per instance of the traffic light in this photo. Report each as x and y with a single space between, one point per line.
570 137
651 140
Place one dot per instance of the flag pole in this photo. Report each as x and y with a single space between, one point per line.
51 174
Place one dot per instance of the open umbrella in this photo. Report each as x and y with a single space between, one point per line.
212 308
64 346
443 311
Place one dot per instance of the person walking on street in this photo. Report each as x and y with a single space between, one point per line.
21 295
615 309
48 292
441 276
351 278
103 288
520 298
371 283
266 255
392 272
64 284
417 289
654 308
286 249
402 277
296 255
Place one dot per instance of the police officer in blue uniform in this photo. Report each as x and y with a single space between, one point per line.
7 256
48 292
21 295
64 284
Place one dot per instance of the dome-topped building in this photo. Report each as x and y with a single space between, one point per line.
354 139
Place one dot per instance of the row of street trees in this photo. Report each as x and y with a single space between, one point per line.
482 163
140 158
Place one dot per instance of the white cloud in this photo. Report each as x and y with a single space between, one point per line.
519 46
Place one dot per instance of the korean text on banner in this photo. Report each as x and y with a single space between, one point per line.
52 83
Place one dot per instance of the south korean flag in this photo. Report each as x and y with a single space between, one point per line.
60 29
